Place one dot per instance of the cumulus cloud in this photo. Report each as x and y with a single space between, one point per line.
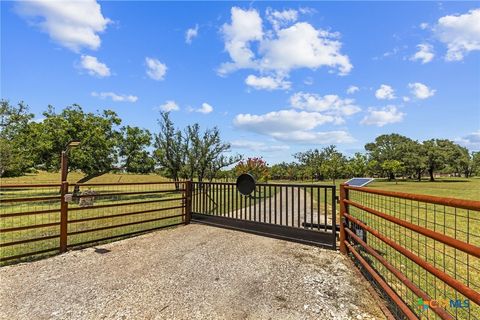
72 24
471 141
385 92
292 125
424 54
329 104
94 67
461 34
281 18
169 106
383 116
115 97
205 109
257 146
155 69
352 89
267 83
190 34
282 49
421 91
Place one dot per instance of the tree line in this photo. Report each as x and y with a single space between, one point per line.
389 156
106 146
196 154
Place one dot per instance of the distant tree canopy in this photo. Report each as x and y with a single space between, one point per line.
257 167
193 153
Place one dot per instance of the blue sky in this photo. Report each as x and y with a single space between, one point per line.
275 77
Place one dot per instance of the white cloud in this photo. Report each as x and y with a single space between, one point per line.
292 125
191 33
257 146
405 99
155 69
246 26
267 83
94 67
169 106
421 91
281 18
352 89
471 141
424 54
282 49
385 92
115 97
205 109
72 24
383 116
461 34
424 25
330 104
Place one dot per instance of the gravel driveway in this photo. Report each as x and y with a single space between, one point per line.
189 272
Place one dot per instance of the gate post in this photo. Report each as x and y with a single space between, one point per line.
63 217
188 202
343 210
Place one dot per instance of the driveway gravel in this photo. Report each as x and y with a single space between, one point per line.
188 272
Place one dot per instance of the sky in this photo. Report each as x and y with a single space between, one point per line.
275 77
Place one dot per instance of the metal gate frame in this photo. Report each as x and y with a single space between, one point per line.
213 200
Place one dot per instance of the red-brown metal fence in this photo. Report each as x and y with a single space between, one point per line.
42 219
421 252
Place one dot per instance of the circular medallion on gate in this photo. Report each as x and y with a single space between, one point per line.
245 184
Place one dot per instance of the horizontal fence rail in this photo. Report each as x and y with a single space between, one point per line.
43 219
422 252
288 207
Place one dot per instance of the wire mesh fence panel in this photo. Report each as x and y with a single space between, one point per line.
29 221
31 215
103 212
427 249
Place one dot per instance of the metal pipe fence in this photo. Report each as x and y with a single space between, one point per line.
44 219
422 252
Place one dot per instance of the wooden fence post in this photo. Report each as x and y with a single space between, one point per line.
343 210
63 217
188 202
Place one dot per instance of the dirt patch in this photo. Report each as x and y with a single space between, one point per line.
191 272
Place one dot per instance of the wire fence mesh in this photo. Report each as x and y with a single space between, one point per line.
441 298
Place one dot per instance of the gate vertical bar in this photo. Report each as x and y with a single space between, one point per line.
63 218
334 218
188 201
343 211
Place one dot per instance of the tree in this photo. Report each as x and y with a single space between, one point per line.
334 163
357 165
476 163
387 147
257 167
414 159
436 155
15 139
170 150
313 161
393 167
100 139
132 151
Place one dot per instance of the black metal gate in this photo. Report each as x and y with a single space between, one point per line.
296 212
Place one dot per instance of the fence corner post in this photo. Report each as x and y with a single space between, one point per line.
188 202
343 210
63 217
